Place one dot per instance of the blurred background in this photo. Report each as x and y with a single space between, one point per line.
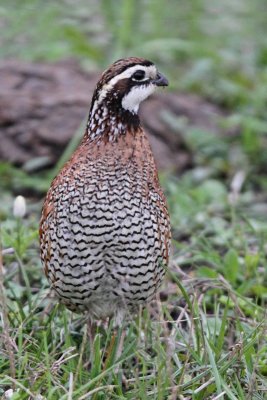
208 131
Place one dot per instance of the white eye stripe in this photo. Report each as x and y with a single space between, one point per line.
151 70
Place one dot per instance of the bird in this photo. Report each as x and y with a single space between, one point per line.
105 228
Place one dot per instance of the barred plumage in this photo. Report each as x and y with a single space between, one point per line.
105 232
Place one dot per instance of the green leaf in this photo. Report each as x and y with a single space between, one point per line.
207 272
231 265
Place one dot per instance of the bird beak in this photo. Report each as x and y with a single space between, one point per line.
160 80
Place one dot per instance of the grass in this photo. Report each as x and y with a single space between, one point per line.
206 338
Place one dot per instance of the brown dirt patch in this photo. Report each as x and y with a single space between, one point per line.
42 106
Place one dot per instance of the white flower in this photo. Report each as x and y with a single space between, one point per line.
8 394
19 207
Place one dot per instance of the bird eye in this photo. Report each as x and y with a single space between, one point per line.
138 75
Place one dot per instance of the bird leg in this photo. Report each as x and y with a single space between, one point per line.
119 331
115 348
91 331
119 347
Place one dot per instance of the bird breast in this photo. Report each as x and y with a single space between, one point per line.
106 233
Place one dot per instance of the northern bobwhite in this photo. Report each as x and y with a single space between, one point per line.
105 231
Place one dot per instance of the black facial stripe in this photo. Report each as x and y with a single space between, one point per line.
127 87
142 82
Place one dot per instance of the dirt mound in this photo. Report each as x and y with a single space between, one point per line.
42 106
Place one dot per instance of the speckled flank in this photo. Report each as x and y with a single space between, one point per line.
105 232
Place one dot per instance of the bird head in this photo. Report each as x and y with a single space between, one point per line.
126 83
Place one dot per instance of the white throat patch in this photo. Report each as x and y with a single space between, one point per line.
137 94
